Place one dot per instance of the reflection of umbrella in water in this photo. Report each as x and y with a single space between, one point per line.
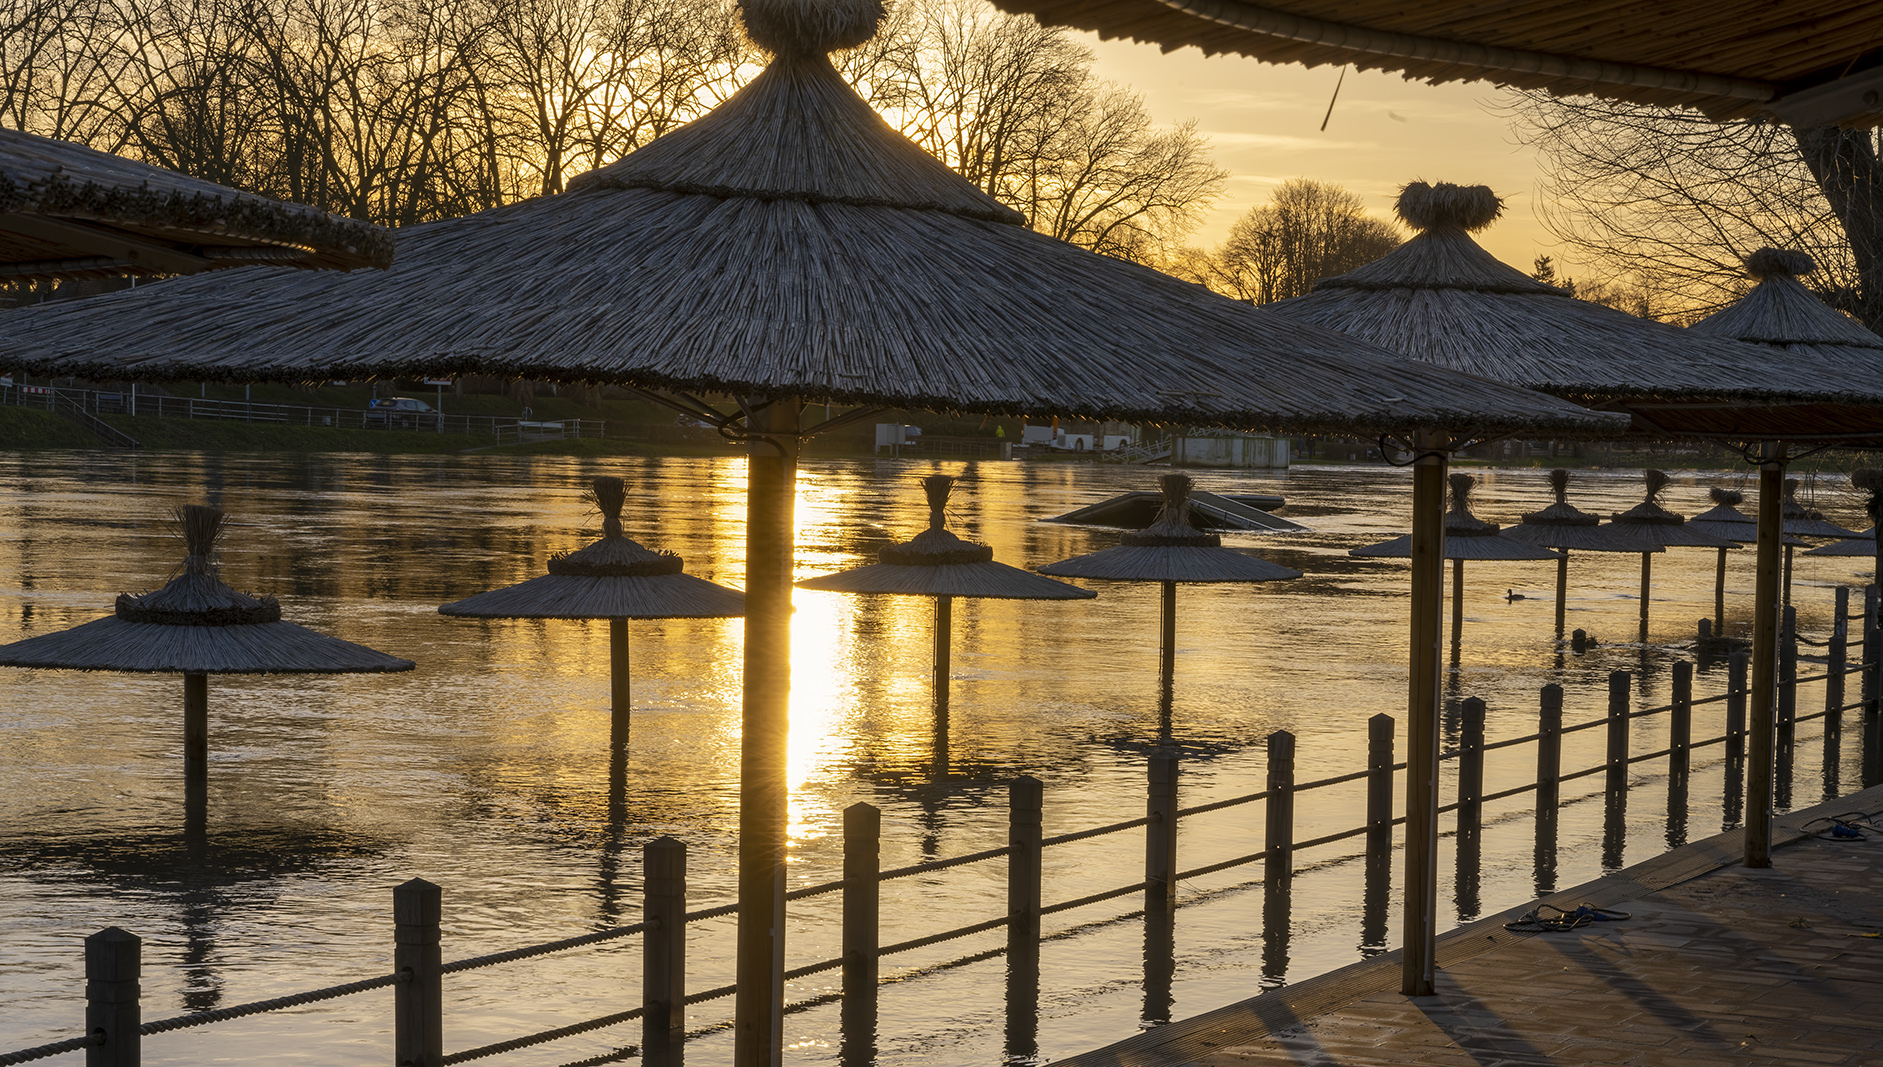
1659 526
1170 550
1725 519
937 564
1565 526
615 579
197 626
1466 537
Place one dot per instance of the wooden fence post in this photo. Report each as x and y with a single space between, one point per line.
418 998
1160 832
1549 755
1839 667
1023 917
1787 715
1736 690
1471 767
112 964
1379 786
664 953
1618 732
1278 864
862 933
1680 721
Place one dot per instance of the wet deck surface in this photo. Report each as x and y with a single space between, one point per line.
1719 964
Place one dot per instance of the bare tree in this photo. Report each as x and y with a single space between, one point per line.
1308 230
1677 200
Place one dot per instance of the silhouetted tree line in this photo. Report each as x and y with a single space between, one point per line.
401 111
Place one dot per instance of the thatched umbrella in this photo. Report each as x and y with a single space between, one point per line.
1442 298
937 564
1564 526
67 211
1171 550
1466 537
1869 482
1658 526
615 579
790 247
1724 519
196 626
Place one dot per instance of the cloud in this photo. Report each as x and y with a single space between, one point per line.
1286 142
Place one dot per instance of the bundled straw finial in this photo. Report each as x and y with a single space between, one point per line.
937 487
610 495
1726 497
797 28
1791 489
1656 481
1444 205
1559 484
1461 484
201 526
1767 262
1172 525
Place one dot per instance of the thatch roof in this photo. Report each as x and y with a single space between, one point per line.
196 624
1466 535
790 243
1807 62
614 578
67 211
1442 298
1655 523
1863 544
1171 549
937 563
1802 521
1724 519
1563 525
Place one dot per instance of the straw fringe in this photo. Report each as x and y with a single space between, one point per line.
809 27
1444 205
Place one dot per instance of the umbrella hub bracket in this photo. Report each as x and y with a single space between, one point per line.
1393 444
735 426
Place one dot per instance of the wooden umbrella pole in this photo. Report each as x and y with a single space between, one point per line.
1647 582
944 628
1759 746
771 488
1786 598
618 681
1167 661
1562 591
1457 601
1428 577
1719 597
195 749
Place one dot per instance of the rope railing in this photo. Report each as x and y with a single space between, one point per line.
1469 757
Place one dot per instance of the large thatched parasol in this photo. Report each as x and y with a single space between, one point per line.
1869 482
1466 537
1171 550
1658 526
196 625
615 579
788 247
937 564
1440 297
67 211
1724 519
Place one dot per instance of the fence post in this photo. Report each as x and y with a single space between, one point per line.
1379 785
862 933
1736 690
1471 767
1680 721
418 997
664 953
1160 833
1618 732
1787 714
1279 848
1023 917
1549 753
1840 661
112 959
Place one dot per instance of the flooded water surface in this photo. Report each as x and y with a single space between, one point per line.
488 769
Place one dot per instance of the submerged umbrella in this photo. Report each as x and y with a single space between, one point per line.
1563 525
1869 482
615 579
1466 537
67 211
937 564
197 625
1170 550
1659 526
1724 519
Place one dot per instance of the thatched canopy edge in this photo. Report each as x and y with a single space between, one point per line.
995 212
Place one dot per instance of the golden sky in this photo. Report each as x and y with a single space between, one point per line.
1263 122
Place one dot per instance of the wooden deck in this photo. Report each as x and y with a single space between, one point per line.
1719 964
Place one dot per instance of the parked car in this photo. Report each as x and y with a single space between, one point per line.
401 412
